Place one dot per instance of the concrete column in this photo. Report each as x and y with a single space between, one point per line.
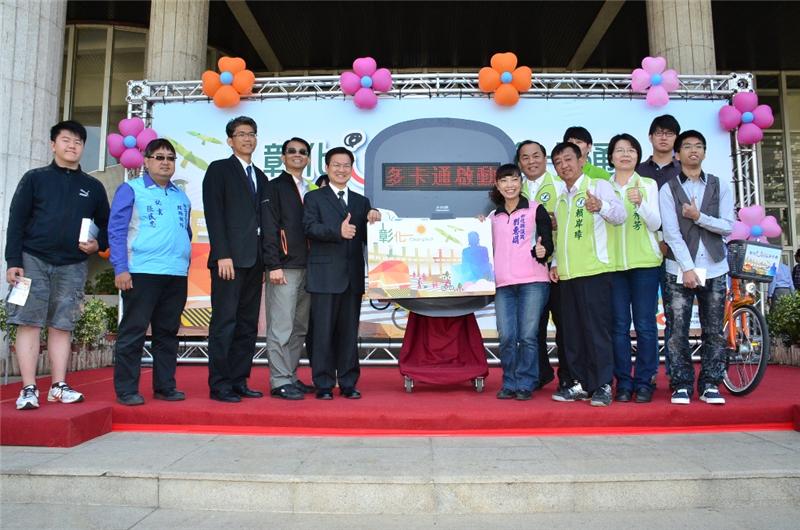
176 41
32 33
682 31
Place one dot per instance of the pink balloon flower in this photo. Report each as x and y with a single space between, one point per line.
365 79
754 225
131 143
748 115
655 80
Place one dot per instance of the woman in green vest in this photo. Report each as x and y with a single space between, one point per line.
637 260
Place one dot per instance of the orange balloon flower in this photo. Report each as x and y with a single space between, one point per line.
232 82
505 79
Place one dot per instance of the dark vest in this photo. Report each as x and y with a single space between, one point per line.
693 233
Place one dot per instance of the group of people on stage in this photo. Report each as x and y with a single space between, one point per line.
571 245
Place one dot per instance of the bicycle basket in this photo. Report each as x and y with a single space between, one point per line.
753 261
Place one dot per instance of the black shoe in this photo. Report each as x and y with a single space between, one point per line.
644 395
324 394
545 381
130 400
304 388
524 395
505 393
244 391
623 395
170 395
225 396
350 393
290 392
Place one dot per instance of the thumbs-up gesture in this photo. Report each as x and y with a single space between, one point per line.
539 248
348 230
690 211
593 204
635 195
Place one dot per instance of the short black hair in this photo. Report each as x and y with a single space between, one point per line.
563 146
691 133
338 151
529 142
323 179
579 133
68 125
295 139
666 122
158 143
230 128
633 141
505 170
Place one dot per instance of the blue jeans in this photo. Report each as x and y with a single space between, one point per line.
518 309
635 291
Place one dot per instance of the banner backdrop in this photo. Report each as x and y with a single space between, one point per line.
198 132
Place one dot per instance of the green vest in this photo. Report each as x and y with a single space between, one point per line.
634 246
582 237
594 172
546 195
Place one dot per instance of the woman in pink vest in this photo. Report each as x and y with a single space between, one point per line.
523 242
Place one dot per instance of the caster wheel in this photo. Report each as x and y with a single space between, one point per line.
478 382
409 384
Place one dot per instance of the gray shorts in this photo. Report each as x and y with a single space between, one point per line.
55 297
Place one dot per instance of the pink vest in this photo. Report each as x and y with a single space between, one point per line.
513 237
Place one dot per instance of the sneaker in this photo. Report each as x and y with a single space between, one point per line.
644 395
505 393
623 395
28 398
680 397
524 395
712 396
62 392
602 397
571 393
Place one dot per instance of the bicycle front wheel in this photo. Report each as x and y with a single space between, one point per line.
747 362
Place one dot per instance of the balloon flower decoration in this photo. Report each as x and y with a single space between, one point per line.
129 145
754 225
504 79
654 79
364 81
748 115
232 82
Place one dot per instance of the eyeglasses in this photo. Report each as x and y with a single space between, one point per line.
341 166
625 151
664 134
690 147
245 135
161 158
292 151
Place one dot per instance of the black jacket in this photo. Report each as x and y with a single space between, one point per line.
334 262
284 241
233 216
46 213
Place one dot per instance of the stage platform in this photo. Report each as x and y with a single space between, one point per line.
385 410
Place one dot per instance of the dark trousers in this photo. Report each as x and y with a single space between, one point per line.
545 370
233 328
586 329
665 293
335 338
156 300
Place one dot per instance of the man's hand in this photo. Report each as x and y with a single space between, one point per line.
690 279
225 269
13 273
373 216
662 245
593 204
690 211
554 274
553 221
539 248
123 281
276 277
90 247
348 230
635 195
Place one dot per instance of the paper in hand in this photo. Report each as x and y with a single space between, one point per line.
701 276
89 230
19 293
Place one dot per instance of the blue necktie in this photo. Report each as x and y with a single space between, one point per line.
249 172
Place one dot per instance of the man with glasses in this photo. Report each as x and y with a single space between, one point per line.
696 215
233 190
150 236
285 253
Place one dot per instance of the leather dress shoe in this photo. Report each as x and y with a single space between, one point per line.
170 395
290 392
304 388
505 393
350 393
130 400
225 397
244 391
324 394
623 395
644 395
523 395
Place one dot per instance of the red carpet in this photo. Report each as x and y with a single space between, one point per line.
386 409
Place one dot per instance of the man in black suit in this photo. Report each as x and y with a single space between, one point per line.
335 220
233 189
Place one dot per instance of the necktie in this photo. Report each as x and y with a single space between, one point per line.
341 201
249 172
